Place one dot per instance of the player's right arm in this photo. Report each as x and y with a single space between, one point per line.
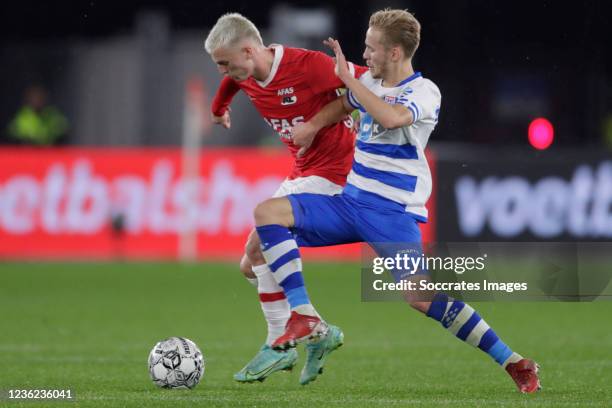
333 112
223 98
324 79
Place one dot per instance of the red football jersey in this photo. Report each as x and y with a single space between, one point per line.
300 84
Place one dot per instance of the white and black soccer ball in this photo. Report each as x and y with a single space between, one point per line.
176 362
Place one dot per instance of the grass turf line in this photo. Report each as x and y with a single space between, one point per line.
90 327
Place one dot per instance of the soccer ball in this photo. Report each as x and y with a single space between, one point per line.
176 363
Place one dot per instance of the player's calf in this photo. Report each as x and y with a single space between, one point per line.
251 257
253 250
417 299
246 268
421 306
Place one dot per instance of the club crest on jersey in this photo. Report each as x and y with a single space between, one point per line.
289 100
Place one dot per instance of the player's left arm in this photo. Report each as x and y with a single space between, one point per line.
389 116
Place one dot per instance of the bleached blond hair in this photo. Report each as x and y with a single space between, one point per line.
229 30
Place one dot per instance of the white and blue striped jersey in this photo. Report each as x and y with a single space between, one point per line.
391 163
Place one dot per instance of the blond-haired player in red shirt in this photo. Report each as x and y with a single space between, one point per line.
288 86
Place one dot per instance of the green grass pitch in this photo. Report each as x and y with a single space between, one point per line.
90 327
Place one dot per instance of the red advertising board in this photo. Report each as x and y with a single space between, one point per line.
61 203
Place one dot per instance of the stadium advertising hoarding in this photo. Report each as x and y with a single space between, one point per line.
133 203
524 196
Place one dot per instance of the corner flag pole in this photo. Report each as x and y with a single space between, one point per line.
196 124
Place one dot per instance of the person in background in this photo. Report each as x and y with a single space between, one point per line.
37 122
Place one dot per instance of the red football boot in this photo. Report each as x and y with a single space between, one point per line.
525 375
298 329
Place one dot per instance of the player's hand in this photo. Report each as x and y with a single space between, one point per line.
341 66
356 124
223 120
303 136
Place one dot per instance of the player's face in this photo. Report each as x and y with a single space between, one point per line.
375 54
235 62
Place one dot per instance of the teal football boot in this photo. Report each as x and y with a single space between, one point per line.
266 362
317 352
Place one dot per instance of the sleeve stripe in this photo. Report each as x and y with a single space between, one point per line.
351 97
416 109
414 115
352 101
402 100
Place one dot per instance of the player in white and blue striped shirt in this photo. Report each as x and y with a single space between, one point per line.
386 191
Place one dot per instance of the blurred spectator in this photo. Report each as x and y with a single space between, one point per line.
38 123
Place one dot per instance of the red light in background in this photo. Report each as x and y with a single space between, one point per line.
541 133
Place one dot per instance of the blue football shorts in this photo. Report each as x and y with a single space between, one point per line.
322 220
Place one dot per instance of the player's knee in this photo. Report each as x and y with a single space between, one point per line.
262 212
246 267
270 212
253 251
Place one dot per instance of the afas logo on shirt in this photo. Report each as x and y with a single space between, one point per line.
288 99
285 91
283 126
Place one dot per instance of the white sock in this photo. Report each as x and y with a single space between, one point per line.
273 302
307 310
514 358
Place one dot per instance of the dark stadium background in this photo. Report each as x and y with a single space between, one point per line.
92 230
557 52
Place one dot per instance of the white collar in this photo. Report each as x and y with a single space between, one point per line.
278 56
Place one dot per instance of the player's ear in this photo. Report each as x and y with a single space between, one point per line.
248 51
396 53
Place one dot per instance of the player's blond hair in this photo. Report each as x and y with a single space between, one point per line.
398 27
228 30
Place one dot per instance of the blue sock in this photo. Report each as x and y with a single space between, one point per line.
283 257
461 320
